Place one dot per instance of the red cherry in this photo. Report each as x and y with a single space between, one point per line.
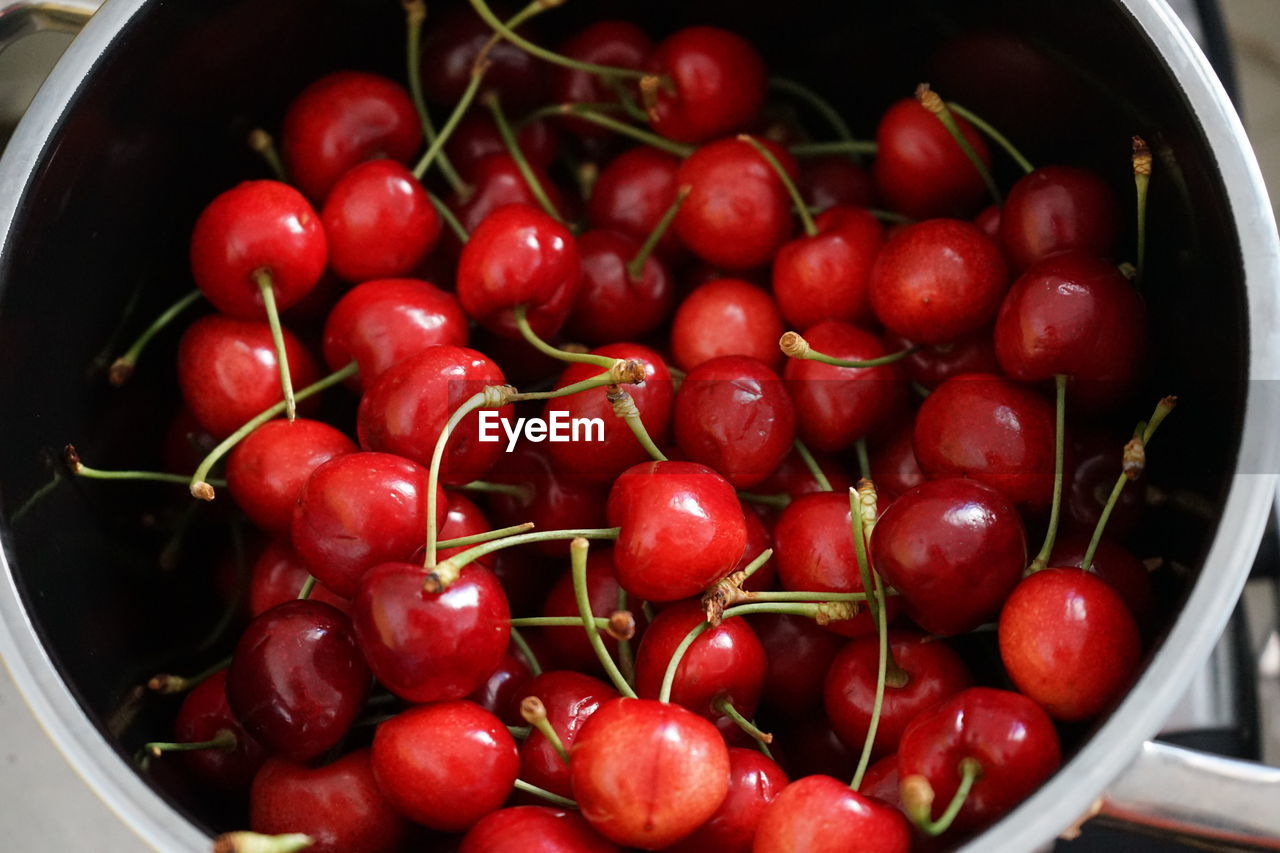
341 120
835 406
338 805
519 256
992 430
1010 737
633 192
203 715
445 765
988 221
754 782
919 169
277 576
496 182
502 691
792 476
359 510
228 373
798 653
825 277
819 814
453 42
1096 457
834 180
557 499
937 281
1058 209
726 317
612 306
1069 642
717 84
570 645
570 699
894 468
953 549
733 414
737 212
534 829
759 540
682 529
880 782
477 136
934 673
297 680
1115 565
429 647
379 222
931 366
647 773
462 518
266 471
617 44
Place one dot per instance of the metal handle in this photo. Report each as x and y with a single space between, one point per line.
1194 795
20 19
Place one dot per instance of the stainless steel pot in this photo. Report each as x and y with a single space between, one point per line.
129 135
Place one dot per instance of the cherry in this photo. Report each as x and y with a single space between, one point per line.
450 51
738 212
880 782
647 773
497 182
476 137
381 323
341 120
793 477
502 691
570 645
953 549
445 765
988 221
931 366
339 805
633 192
569 699
463 518
835 406
297 680
798 653
519 256
1010 737
427 647
1057 209
920 170
754 782
832 180
228 372
933 673
894 468
825 276
204 715
1068 641
359 510
938 281
1115 565
992 430
682 529
759 540
278 575
1077 315
1089 484
533 829
617 44
822 815
726 316
553 499
717 84
379 222
266 471
613 305
733 414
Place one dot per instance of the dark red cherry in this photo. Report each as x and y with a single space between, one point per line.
1058 209
534 829
278 575
1011 738
792 476
454 40
556 499
381 323
737 213
992 430
810 746
647 773
496 182
204 715
339 805
919 169
266 471
759 540
825 277
835 180
476 137
297 680
341 120
359 510
938 281
519 256
463 518
931 366
880 782
611 305
228 372
835 406
632 193
894 468
733 414
682 529
570 645
570 698
754 782
717 84
953 549
726 317
502 691
798 652
934 673
988 221
1116 565
1096 458
379 222
819 814
615 43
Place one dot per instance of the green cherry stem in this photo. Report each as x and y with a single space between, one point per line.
72 457
265 147
506 32
1142 182
520 315
864 460
308 586
535 714
816 102
804 595
812 464
522 645
494 105
520 492
415 12
793 345
630 372
541 793
601 623
593 116
167 684
487 536
446 572
268 291
858 532
890 216
224 740
882 670
778 501
625 407
994 135
930 100
635 266
821 149
253 842
626 657
578 570
797 201
460 109
447 216
917 797
122 368
724 706
520 732
1059 441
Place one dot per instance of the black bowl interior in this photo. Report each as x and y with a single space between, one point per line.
156 130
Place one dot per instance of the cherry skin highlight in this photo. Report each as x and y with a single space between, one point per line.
379 222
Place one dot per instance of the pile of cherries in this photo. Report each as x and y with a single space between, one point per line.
749 608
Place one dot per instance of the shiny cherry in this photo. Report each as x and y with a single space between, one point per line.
570 698
615 43
894 468
717 84
798 653
611 305
1116 565
204 715
931 366
379 222
496 182
1058 209
754 782
726 316
534 829
819 814
632 193
919 169
278 575
824 277
266 471
501 692
1096 460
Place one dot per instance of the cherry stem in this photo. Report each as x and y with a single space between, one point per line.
307 587
506 32
890 216
858 532
994 135
487 536
793 345
882 670
724 706
602 623
864 461
930 100
578 549
446 572
169 555
1129 472
80 469
253 842
804 595
586 113
778 501
556 799
518 640
122 368
821 149
1059 441
673 665
522 493
224 740
812 464
520 315
459 110
630 372
494 105
1142 181
816 102
626 659
446 215
167 685
262 143
201 486
625 407
265 286
415 12
797 200
535 714
635 267
917 796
